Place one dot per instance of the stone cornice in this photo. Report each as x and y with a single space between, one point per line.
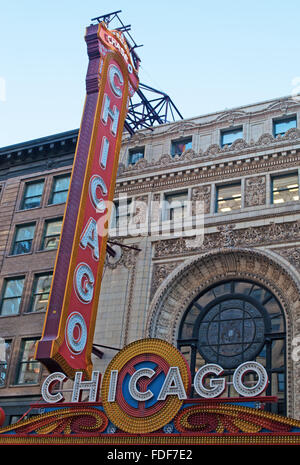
50 146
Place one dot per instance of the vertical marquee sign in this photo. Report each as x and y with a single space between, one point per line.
67 338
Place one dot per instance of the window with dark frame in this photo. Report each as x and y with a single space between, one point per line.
5 352
41 291
176 206
23 239
282 125
60 189
51 234
228 136
28 369
121 212
285 188
178 147
11 296
233 322
32 194
228 198
136 154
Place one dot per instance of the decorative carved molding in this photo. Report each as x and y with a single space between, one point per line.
181 127
201 193
255 191
230 237
230 116
159 273
290 254
226 235
283 104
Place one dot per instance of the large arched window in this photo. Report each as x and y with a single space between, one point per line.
233 322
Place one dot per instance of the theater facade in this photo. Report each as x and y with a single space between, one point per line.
227 296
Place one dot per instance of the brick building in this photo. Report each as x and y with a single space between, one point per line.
234 297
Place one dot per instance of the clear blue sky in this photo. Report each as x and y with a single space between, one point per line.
207 55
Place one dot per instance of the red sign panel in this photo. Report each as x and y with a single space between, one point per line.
67 338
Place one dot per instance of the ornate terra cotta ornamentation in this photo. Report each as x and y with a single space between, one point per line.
255 191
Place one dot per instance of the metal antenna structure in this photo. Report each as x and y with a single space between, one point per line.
149 106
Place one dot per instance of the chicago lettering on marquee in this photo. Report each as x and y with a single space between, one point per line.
146 383
67 337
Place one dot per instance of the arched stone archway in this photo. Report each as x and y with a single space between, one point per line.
266 268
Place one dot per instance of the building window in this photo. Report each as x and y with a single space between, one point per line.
28 370
228 198
175 206
228 136
11 296
23 239
281 126
51 234
285 188
135 155
41 291
180 146
121 213
233 322
60 189
32 195
5 351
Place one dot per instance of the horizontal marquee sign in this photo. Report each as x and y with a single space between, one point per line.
67 337
144 400
145 384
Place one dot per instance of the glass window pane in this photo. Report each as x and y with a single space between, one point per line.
33 195
260 294
43 284
176 206
229 136
62 183
59 197
285 182
60 189
11 306
5 351
241 287
14 288
23 239
41 292
283 125
22 247
180 146
34 188
228 198
135 155
52 234
121 212
29 368
53 227
222 289
11 299
31 202
285 189
25 232
51 243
